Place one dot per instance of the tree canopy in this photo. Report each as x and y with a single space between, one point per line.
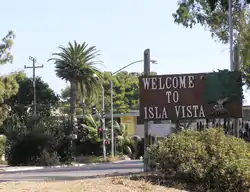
76 63
125 93
5 47
212 15
8 85
46 98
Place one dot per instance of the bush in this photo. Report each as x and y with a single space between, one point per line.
207 158
2 145
33 149
88 147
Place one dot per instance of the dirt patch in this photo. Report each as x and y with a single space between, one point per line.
115 184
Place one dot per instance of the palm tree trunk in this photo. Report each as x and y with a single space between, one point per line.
72 115
73 97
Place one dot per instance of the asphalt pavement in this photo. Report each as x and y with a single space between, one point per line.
74 173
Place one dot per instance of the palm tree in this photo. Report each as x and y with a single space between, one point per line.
122 140
76 64
88 129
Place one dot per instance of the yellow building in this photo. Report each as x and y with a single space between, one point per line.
129 122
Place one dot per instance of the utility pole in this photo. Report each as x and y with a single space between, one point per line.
234 58
146 124
102 119
236 65
103 124
112 118
34 85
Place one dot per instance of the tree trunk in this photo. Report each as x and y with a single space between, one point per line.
73 97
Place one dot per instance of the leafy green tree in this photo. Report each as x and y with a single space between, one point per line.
223 84
65 94
125 91
125 94
8 85
76 64
5 47
224 4
80 106
212 15
19 120
22 102
244 47
131 90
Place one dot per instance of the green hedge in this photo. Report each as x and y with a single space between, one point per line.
207 159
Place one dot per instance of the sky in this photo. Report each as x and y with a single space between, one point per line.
121 30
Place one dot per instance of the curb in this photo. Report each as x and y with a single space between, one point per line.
16 169
21 169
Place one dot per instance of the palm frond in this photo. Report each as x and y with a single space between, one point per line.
76 62
90 120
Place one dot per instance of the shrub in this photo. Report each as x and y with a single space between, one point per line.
33 149
207 158
2 145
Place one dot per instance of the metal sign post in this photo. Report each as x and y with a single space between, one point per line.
146 124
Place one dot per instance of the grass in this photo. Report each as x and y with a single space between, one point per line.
3 162
111 184
86 160
96 159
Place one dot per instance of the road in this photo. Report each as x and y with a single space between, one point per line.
73 173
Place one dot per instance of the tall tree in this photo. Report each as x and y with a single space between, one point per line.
224 3
212 15
125 93
19 118
8 85
46 98
76 63
5 47
65 100
244 39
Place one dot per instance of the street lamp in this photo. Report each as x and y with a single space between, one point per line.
102 115
111 100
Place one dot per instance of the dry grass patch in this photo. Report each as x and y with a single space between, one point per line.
96 159
115 184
